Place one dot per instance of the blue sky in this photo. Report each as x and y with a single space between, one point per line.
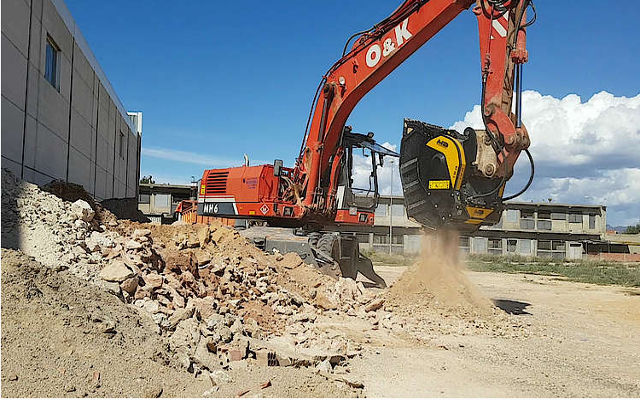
215 79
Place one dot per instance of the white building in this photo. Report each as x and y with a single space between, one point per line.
528 229
61 119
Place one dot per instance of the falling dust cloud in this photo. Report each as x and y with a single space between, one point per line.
438 276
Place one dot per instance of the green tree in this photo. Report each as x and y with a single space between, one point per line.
633 229
147 179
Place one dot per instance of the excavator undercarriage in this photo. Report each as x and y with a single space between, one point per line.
333 253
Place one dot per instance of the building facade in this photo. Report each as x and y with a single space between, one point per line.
158 202
61 119
528 229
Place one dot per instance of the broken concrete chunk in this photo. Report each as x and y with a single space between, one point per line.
204 259
374 305
130 285
116 271
204 236
82 210
180 315
133 245
138 233
153 280
324 366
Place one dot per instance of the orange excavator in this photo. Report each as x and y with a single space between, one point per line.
450 179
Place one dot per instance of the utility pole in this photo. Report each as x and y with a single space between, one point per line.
391 210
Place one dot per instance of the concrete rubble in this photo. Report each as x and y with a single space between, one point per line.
216 298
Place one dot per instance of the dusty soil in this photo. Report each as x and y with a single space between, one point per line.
64 337
100 307
583 341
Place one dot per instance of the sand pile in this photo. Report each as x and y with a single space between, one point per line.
434 295
438 276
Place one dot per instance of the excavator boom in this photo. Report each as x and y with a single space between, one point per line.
449 179
374 55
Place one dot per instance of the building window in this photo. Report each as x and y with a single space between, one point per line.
526 220
381 210
512 245
362 237
544 225
52 63
511 215
384 239
495 246
592 222
544 244
575 218
464 241
121 145
144 198
524 246
559 216
162 200
544 220
544 215
552 249
380 239
397 210
558 245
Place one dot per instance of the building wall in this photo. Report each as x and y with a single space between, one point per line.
70 132
162 199
526 229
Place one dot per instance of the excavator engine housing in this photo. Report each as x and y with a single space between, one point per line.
442 184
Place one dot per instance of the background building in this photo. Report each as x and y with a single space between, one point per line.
61 119
158 202
528 229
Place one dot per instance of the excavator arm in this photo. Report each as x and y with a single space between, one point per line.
448 178
378 51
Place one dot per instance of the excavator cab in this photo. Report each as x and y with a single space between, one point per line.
448 177
360 197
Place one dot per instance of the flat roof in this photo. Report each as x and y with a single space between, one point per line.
167 186
521 203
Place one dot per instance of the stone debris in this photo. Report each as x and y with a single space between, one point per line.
216 298
83 210
116 271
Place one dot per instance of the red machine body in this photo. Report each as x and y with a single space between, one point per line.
252 192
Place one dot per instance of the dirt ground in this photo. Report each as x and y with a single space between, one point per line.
64 337
584 341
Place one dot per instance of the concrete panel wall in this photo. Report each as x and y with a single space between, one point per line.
72 131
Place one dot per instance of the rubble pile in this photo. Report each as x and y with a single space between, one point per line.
214 296
49 229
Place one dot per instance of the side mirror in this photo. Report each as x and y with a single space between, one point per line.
277 167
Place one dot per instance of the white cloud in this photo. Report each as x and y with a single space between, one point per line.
188 157
585 152
603 132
